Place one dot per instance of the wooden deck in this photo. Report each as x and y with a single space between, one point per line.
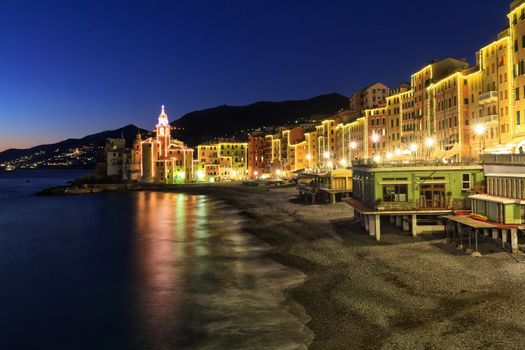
465 220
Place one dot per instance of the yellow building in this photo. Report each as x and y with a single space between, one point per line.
221 161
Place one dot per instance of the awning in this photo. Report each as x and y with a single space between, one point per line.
510 147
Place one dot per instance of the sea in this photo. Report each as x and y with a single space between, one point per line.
136 270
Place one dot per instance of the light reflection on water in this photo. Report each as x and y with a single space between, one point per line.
137 270
205 281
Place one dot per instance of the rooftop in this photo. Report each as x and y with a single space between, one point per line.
503 159
414 164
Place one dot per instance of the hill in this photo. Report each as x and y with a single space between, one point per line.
70 153
200 126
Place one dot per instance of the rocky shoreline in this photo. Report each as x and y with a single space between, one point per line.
402 292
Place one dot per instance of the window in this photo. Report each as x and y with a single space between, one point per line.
518 118
517 93
466 182
395 193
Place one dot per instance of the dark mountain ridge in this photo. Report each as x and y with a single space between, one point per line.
224 120
192 128
86 147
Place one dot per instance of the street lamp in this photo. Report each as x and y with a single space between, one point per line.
353 146
413 149
327 156
308 158
398 152
330 164
389 156
429 142
343 162
377 158
480 130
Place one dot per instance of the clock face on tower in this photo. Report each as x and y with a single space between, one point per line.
161 131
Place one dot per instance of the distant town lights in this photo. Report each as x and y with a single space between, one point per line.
413 147
377 158
308 156
200 174
389 155
330 164
375 137
353 145
343 162
398 152
326 155
429 142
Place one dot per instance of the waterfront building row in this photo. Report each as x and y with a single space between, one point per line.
164 160
448 111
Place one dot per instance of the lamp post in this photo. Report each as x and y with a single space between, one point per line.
479 130
413 149
308 158
326 156
353 146
429 142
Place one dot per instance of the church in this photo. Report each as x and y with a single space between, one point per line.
161 159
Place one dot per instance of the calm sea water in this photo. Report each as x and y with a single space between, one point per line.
140 270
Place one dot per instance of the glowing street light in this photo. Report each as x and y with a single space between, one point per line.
326 155
353 145
375 137
343 162
480 130
255 173
413 147
429 142
398 152
377 158
330 164
234 173
308 157
389 155
200 174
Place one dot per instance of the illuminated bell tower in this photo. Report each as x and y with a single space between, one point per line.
163 133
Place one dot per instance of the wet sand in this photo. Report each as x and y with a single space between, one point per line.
400 293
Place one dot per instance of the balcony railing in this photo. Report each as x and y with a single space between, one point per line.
488 97
503 159
370 163
488 118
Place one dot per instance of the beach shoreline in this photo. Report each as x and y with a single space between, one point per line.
402 292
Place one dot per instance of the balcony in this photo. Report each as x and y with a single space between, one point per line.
418 162
488 119
488 97
503 159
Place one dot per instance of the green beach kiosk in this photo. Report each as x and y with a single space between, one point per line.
411 194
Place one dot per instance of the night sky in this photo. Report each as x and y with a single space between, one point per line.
71 68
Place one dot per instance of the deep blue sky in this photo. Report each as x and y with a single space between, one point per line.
70 68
